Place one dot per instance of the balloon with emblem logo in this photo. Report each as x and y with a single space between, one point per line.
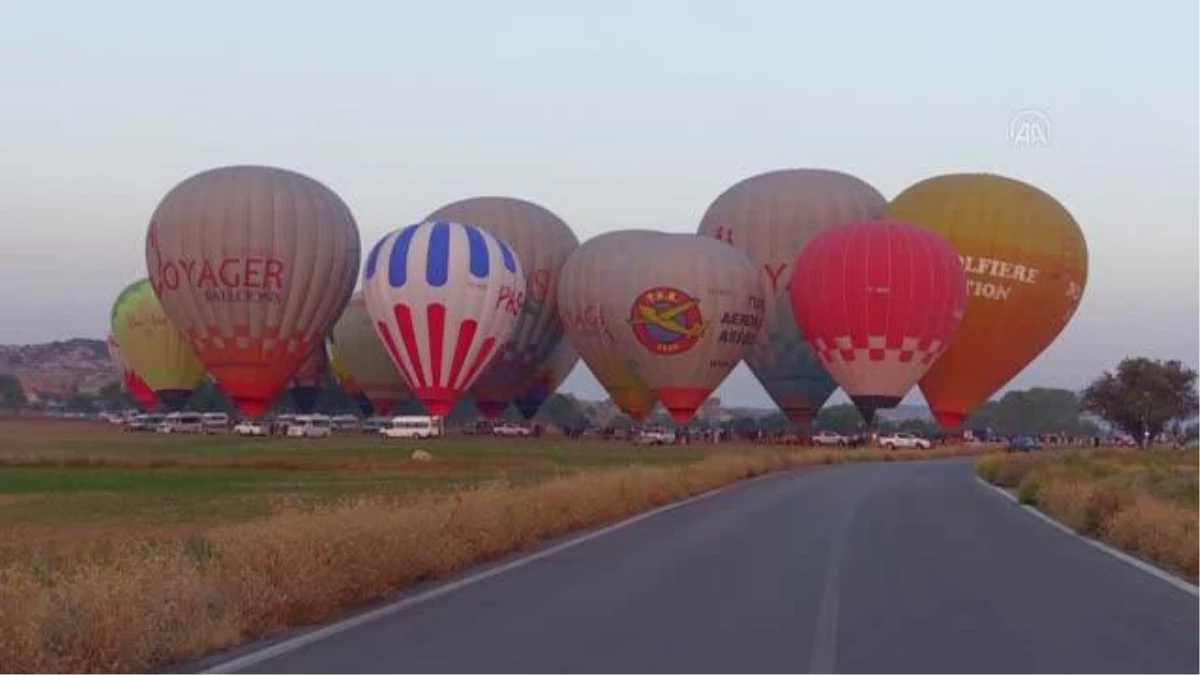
253 264
771 217
683 309
445 298
153 347
542 242
306 381
1026 262
356 342
547 380
879 301
585 278
141 393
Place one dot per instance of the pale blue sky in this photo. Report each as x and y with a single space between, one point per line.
612 114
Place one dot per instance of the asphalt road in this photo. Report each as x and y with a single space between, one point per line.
905 567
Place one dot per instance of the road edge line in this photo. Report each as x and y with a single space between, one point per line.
329 630
1153 570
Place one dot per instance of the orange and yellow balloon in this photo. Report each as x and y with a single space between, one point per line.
1026 264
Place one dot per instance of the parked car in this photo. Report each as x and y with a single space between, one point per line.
146 422
904 439
252 428
310 426
413 426
374 425
1023 444
654 437
182 423
345 424
215 422
829 438
510 429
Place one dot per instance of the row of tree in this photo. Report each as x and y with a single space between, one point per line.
1142 398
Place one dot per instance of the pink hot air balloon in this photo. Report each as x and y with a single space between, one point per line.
878 301
445 299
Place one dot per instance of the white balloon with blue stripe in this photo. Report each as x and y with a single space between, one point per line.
445 299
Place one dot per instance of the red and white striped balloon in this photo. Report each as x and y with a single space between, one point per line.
445 298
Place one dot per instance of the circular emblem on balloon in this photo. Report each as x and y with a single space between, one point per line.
666 320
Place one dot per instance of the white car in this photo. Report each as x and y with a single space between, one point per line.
829 438
182 423
310 426
904 439
655 437
510 429
251 428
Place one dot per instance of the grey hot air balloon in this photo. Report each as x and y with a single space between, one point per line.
683 311
770 217
585 279
253 264
542 241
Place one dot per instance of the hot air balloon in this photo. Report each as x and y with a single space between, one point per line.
253 264
1026 262
684 309
584 279
306 382
770 217
552 373
358 346
542 242
879 301
345 380
134 385
153 347
445 298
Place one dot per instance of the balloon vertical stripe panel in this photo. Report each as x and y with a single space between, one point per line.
445 298
878 301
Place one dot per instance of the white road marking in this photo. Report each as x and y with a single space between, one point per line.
292 644
1142 565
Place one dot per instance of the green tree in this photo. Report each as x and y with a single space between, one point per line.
1143 396
12 394
842 418
562 411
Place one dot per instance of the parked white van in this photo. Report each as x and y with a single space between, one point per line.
215 422
182 423
417 426
310 426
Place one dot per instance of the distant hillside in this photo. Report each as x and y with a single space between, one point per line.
60 368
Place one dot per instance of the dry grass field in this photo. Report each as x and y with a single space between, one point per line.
1143 502
128 552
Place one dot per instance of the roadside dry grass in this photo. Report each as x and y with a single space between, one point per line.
1143 502
137 603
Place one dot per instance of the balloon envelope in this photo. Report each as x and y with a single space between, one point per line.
141 393
153 347
445 298
684 309
1026 263
771 217
584 279
549 377
879 301
542 242
254 264
360 350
